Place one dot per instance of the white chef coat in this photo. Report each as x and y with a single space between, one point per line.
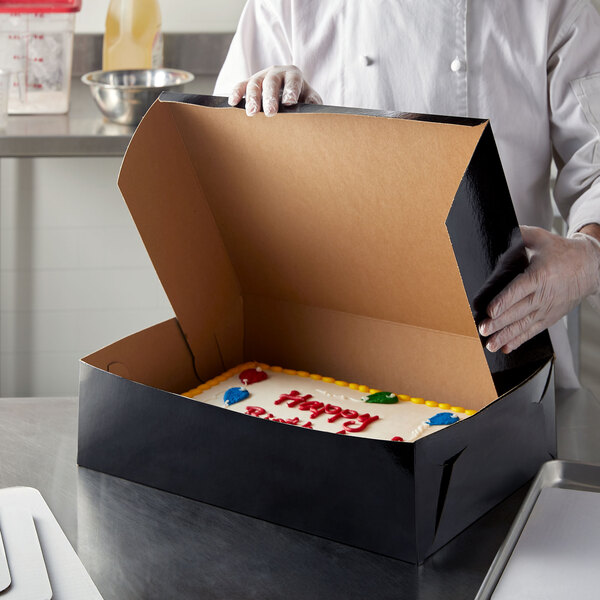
530 66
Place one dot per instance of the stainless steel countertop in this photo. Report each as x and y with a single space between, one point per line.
137 542
81 132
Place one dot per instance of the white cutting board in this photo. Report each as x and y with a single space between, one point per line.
4 572
29 578
21 507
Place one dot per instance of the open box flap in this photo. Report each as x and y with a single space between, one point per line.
313 209
489 250
162 191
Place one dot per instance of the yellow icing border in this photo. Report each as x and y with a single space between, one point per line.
353 386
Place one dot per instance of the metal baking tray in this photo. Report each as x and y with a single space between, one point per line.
554 541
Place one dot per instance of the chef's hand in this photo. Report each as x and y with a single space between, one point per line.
266 85
560 274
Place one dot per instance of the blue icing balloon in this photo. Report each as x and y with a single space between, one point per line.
235 394
442 419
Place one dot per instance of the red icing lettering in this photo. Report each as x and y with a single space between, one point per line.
294 398
250 376
364 421
316 408
330 409
355 423
258 411
349 414
397 438
337 412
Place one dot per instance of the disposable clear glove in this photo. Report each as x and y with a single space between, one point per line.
560 274
267 85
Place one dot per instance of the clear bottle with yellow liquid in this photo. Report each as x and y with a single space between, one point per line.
133 36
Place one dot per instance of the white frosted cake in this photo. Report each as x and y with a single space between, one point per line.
315 402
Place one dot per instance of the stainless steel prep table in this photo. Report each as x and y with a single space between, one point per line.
81 132
138 542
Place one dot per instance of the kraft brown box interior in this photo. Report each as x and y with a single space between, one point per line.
357 244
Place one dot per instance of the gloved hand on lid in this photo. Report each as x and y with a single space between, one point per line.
266 86
561 272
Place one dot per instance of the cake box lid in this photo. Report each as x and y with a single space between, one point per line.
388 220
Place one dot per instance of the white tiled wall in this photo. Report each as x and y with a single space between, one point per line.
74 274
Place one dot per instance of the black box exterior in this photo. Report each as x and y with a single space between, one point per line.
403 500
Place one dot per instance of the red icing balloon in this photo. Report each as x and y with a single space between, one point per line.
397 438
250 376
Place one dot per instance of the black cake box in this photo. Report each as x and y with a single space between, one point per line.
357 244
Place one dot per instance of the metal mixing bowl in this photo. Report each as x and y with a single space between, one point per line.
125 96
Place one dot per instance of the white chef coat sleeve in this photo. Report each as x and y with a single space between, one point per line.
574 103
260 41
